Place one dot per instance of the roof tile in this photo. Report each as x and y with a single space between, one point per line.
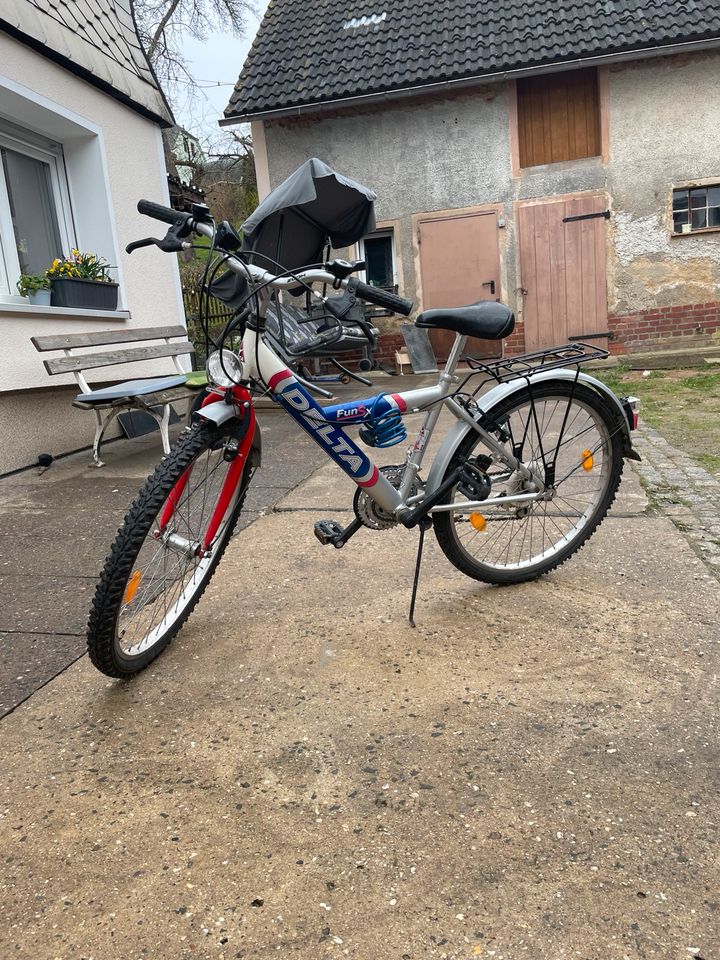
303 54
97 36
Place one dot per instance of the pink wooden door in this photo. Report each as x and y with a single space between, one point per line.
460 264
563 271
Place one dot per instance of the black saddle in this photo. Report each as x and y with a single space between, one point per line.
486 319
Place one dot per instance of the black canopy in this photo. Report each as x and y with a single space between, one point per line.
294 222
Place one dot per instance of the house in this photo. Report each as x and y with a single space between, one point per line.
81 116
563 157
184 158
185 154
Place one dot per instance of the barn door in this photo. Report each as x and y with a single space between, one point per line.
563 271
459 264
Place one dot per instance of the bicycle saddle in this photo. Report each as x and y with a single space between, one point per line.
486 319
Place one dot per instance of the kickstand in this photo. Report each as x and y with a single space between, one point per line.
411 615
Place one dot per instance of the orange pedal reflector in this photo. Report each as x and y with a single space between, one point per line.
478 521
587 460
132 588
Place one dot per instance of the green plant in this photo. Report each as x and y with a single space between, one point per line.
80 266
28 284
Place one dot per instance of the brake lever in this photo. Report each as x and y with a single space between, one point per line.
136 244
172 242
340 313
369 331
168 244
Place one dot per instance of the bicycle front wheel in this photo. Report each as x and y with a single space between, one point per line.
156 570
564 426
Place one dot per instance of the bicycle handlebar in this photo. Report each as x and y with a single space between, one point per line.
383 298
159 212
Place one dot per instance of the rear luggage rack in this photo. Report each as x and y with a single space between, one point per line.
527 364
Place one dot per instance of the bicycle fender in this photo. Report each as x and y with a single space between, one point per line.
503 390
218 413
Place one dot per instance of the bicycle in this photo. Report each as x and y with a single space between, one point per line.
521 481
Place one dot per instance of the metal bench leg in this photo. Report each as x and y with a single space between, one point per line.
99 431
164 424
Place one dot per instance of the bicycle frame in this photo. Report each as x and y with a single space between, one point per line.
325 426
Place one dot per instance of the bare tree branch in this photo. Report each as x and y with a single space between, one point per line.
162 25
160 29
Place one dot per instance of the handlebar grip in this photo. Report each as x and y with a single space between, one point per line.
159 212
381 298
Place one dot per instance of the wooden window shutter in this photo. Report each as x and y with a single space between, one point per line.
558 117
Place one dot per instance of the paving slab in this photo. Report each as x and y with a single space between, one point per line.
531 772
57 528
45 604
680 488
30 660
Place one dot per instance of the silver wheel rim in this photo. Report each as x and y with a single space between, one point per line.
169 580
512 543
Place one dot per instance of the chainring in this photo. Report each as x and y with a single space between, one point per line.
371 514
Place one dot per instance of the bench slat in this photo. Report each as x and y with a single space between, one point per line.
69 341
89 360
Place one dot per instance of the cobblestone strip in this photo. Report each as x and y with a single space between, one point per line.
682 490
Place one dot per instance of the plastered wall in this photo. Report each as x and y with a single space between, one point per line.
662 117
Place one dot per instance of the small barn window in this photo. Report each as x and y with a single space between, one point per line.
379 255
696 208
558 117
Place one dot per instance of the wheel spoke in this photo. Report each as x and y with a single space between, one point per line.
170 574
545 430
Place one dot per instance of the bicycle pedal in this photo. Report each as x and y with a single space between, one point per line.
328 531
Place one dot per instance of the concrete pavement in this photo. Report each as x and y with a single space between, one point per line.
56 530
533 772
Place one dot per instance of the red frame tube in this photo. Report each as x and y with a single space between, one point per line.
240 397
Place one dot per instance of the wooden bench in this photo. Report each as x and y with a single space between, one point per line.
123 397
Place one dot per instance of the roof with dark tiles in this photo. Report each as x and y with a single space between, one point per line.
95 39
312 52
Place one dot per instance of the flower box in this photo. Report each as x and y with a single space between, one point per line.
87 294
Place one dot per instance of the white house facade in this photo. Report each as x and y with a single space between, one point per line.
80 142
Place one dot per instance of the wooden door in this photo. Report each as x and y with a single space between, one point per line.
460 264
563 271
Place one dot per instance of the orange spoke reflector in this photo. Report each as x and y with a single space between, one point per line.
587 460
132 588
478 521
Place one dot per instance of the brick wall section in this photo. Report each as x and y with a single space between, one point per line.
515 343
664 328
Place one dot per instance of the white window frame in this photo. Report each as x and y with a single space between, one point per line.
31 145
376 234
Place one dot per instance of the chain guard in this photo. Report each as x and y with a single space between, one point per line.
371 514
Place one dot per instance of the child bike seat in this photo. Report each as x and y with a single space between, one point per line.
486 319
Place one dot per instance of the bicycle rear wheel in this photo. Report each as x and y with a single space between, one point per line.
156 573
567 426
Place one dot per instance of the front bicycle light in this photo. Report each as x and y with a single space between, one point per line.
224 369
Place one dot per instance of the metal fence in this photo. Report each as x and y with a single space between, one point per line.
217 315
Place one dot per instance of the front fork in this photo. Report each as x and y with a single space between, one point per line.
240 399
